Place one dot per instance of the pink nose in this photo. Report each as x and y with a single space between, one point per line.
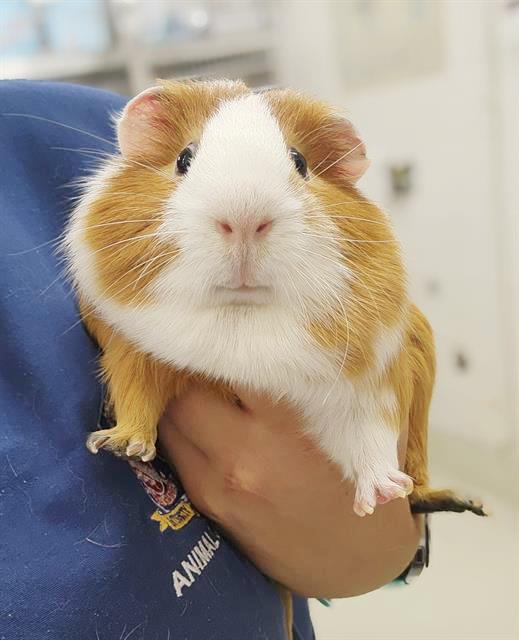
227 229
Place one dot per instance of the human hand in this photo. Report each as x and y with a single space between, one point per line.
280 499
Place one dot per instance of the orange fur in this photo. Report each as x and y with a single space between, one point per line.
138 386
414 393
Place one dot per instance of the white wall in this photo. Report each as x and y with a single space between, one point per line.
507 62
453 223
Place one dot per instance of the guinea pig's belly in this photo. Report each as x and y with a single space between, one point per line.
261 346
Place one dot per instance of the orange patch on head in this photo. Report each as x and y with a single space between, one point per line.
329 141
158 123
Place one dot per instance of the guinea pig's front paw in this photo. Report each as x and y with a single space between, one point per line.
379 487
125 442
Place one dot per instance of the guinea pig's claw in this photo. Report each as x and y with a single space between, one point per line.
140 449
363 509
149 455
95 442
122 443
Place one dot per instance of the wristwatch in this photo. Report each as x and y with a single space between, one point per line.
421 558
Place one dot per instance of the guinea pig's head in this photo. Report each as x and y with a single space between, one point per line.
225 198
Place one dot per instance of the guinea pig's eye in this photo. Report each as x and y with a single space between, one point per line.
299 162
184 159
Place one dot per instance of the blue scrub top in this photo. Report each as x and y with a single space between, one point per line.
91 547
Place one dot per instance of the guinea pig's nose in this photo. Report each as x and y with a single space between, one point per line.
237 229
263 228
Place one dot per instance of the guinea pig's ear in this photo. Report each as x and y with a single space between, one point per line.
142 127
349 161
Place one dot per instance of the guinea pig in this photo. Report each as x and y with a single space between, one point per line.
226 241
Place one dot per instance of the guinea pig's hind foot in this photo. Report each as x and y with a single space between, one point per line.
124 442
380 487
430 501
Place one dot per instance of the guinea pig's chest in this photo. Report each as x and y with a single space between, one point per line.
261 346
264 348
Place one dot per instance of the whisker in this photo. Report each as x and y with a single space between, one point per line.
126 240
108 155
86 315
86 151
147 264
149 168
343 202
150 293
144 196
297 293
109 224
55 240
345 155
323 286
353 241
62 274
338 240
320 163
336 263
60 124
317 131
329 205
58 239
325 217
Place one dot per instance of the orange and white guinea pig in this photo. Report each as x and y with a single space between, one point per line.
226 241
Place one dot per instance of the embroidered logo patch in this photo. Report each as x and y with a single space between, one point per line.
159 486
175 519
158 482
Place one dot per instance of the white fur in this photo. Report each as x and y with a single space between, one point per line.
242 174
388 345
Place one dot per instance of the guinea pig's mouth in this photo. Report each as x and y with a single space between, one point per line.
244 294
244 288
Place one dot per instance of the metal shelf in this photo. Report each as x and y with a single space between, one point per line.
210 48
50 66
58 66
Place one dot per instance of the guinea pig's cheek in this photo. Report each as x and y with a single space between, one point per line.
179 212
